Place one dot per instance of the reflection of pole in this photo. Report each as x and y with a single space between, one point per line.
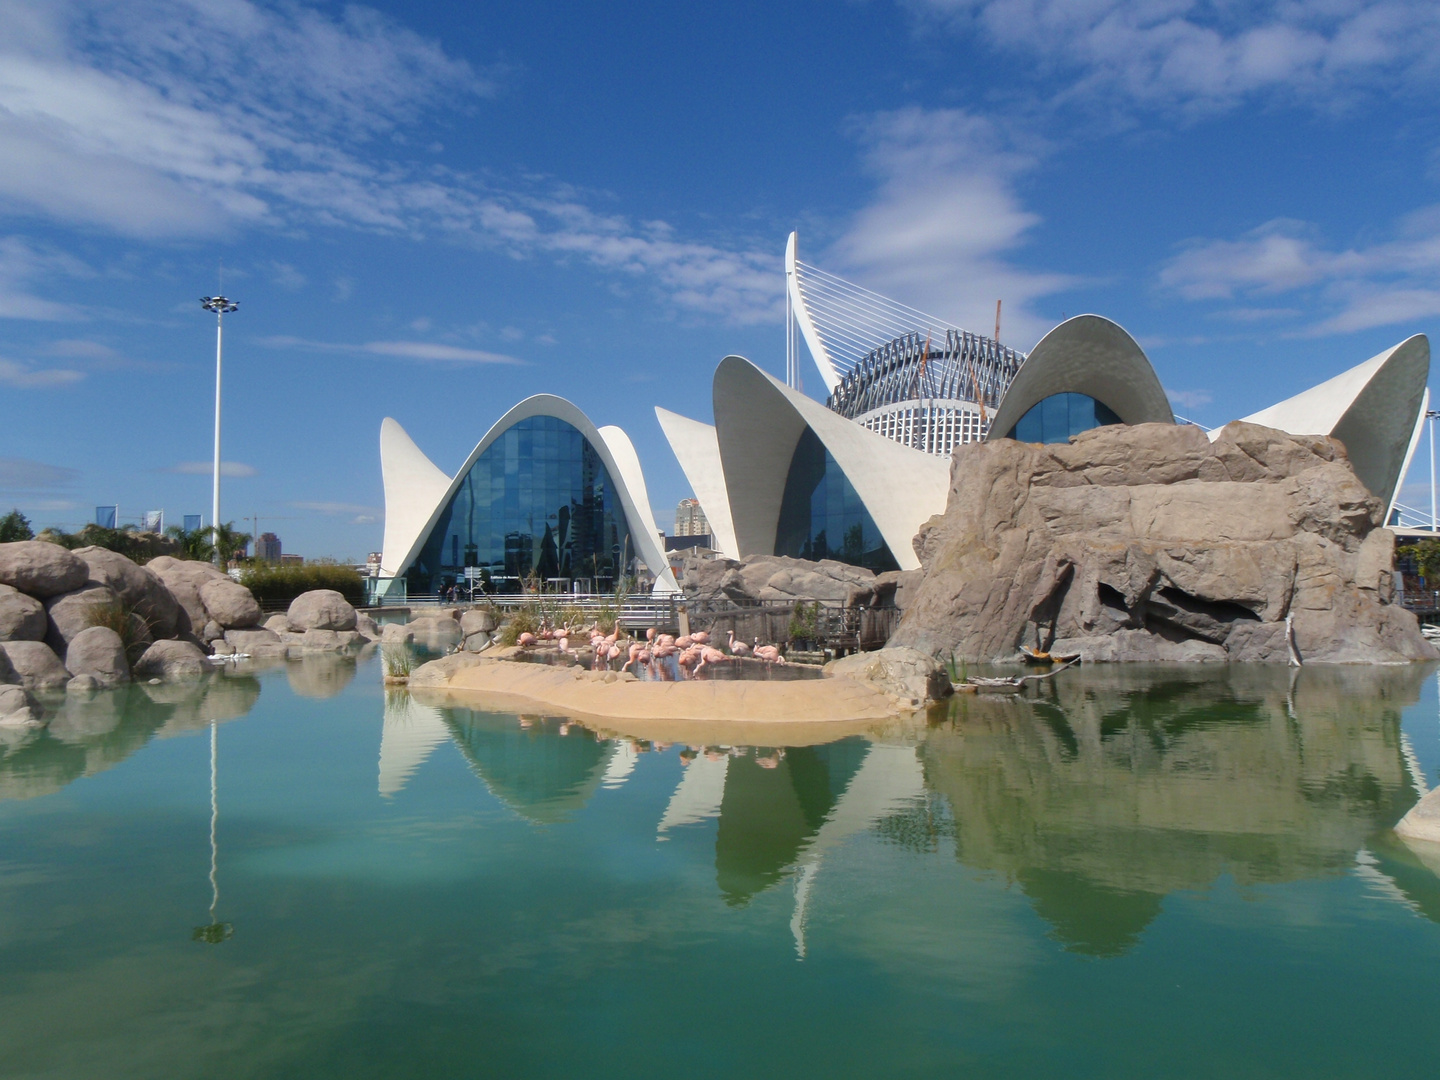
1431 417
213 932
214 820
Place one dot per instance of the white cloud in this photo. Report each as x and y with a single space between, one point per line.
21 265
24 475
207 468
25 377
945 215
1201 55
1189 399
168 118
404 350
1391 281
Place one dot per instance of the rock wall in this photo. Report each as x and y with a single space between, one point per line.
1153 543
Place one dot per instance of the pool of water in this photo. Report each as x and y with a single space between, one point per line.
1137 872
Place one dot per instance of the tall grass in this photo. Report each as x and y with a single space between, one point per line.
133 629
272 582
523 620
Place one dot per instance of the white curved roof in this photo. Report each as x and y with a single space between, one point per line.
1090 355
1375 409
759 420
697 449
417 515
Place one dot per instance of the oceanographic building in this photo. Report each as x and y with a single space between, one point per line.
545 497
548 497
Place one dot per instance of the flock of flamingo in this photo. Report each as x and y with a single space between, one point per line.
662 657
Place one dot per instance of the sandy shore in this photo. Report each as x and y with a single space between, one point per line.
839 703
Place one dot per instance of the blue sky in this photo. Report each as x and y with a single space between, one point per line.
432 210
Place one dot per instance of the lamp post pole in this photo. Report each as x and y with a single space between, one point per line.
222 307
1431 415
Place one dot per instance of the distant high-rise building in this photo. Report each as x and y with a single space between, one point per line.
267 548
690 519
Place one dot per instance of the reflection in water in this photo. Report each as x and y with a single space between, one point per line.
410 733
88 734
214 932
1118 786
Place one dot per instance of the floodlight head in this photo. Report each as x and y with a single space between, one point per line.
218 304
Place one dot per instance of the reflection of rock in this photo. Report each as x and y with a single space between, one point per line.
1118 785
320 675
193 705
1423 821
1131 540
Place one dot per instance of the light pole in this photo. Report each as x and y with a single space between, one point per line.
222 307
1431 415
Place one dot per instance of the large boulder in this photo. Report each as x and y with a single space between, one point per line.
479 621
183 578
907 674
140 589
321 609
230 604
99 652
35 665
18 708
71 612
247 641
41 570
1151 542
22 618
171 661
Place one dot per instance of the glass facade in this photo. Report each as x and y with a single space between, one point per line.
821 516
537 503
1057 417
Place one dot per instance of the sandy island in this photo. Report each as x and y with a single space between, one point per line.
477 681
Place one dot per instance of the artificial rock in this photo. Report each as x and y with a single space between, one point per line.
139 589
71 612
97 651
230 604
40 569
171 661
321 609
1151 542
22 618
35 665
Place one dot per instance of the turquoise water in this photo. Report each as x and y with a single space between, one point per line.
1132 873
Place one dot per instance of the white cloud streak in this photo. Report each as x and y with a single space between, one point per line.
402 350
168 118
26 377
1380 284
24 475
234 469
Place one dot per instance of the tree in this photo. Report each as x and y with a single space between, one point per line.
15 526
199 543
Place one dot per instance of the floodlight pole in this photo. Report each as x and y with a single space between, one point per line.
221 306
1431 415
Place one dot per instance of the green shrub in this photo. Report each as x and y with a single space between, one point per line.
273 583
15 526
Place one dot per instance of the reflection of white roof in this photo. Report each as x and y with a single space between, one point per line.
758 423
697 797
412 481
1086 355
410 735
1374 408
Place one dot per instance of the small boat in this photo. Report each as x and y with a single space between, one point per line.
1035 656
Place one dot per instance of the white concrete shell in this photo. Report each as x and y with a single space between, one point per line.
758 422
611 444
1086 355
697 448
1374 409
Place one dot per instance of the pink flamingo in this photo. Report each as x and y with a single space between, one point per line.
685 641
701 636
768 653
738 648
709 656
525 640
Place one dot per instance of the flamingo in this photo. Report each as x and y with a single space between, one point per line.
689 658
738 648
701 636
525 640
685 641
613 653
709 656
650 634
768 653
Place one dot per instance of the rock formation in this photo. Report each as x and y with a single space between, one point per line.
1153 543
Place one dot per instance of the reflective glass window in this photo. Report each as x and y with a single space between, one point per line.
821 516
537 503
1057 417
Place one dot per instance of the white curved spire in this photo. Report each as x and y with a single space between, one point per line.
413 485
697 448
842 322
